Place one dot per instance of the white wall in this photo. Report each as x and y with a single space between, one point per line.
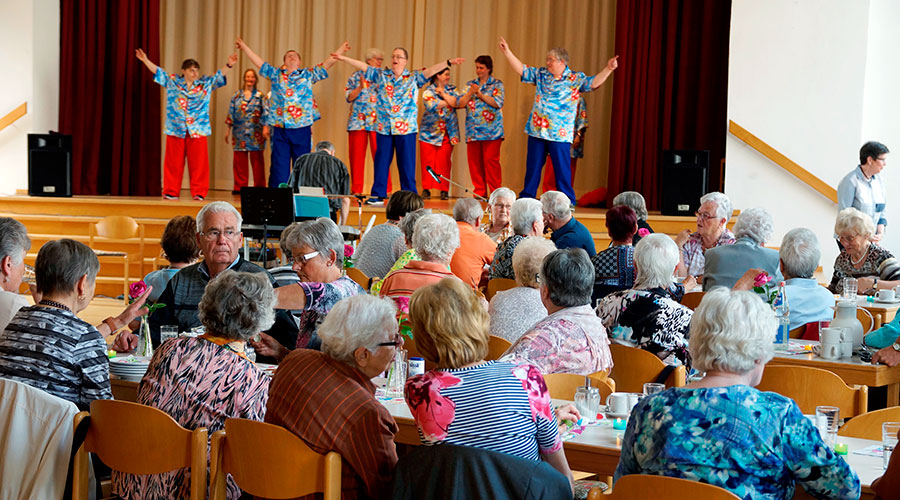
29 52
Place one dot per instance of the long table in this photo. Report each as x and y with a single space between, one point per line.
882 312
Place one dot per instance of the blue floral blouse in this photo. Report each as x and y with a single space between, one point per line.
187 108
397 108
362 109
555 102
247 117
438 122
483 121
292 102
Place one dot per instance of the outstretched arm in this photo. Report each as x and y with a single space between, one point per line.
255 59
329 62
232 60
441 66
352 62
604 73
513 60
139 53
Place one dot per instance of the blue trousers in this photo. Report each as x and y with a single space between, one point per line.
406 162
288 144
538 149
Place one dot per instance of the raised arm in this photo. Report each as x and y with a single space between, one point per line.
255 59
352 62
513 60
232 60
604 73
437 68
329 62
139 53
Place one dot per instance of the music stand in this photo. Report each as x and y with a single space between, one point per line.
266 211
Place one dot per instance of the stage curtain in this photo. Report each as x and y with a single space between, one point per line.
109 102
431 30
670 90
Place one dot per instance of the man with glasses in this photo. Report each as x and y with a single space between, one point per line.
863 188
712 231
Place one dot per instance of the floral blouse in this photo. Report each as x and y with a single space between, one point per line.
754 444
396 110
362 109
292 102
498 237
320 298
438 122
871 266
501 266
555 102
187 109
483 121
246 117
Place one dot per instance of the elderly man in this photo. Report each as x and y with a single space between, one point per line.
799 257
328 400
863 187
727 263
321 169
567 232
712 217
435 239
476 249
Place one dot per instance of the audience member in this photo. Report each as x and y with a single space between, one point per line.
799 257
526 219
863 187
887 487
14 244
476 249
322 169
379 247
725 264
614 267
407 226
567 232
179 245
712 219
513 312
860 257
500 205
435 239
635 201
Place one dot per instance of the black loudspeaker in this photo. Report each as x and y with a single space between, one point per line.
685 178
49 165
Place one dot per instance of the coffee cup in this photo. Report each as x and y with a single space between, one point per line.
886 295
831 335
618 403
846 349
830 350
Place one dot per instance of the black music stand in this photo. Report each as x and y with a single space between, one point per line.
266 212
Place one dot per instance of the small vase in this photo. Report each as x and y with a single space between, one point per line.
145 345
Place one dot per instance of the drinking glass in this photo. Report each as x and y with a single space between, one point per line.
167 332
889 439
652 388
850 285
397 375
827 418
587 402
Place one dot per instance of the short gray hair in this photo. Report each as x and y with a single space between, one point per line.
285 237
408 223
559 53
322 235
851 219
373 52
501 192
756 224
556 204
800 253
528 258
14 240
655 258
237 305
359 321
723 204
524 213
61 263
217 207
468 210
568 276
730 331
436 237
634 200
325 146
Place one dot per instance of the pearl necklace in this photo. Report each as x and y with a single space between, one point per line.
857 262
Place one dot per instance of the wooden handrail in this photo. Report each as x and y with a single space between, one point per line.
783 161
13 115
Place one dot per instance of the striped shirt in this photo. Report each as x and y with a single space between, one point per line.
320 169
56 352
496 406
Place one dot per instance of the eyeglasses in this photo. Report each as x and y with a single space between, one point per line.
397 57
213 234
847 238
303 259
394 343
701 215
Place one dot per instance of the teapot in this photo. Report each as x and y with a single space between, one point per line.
845 317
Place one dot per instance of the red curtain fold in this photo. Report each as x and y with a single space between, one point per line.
670 91
107 99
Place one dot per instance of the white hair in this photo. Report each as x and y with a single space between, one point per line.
436 237
851 219
501 192
634 200
14 241
468 210
215 207
655 258
359 321
731 331
528 258
723 204
756 224
800 253
322 235
373 52
524 213
556 204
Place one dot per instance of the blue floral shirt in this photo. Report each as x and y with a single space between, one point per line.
247 118
754 444
438 123
292 103
187 109
396 109
555 102
483 121
362 110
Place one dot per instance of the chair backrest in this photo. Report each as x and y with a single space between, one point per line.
633 367
116 227
359 277
692 300
269 461
671 488
868 425
563 385
498 285
811 387
138 439
865 318
496 347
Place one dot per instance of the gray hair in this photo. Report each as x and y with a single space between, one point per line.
325 146
559 53
359 321
568 276
634 200
501 192
217 207
556 204
61 263
436 237
723 204
468 210
237 305
322 235
851 219
373 52
655 258
14 240
528 258
800 253
408 223
524 213
730 331
285 238
756 224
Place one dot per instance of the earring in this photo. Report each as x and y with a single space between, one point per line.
81 297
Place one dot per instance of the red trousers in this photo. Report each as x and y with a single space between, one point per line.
550 179
438 158
194 149
484 166
358 140
239 164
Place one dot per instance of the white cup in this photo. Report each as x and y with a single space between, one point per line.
618 403
831 335
846 349
886 295
830 350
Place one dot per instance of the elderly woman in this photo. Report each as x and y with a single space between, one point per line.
516 310
649 316
14 243
571 339
861 258
712 217
614 267
245 123
799 256
435 240
180 248
726 264
439 132
635 201
720 430
382 245
452 402
500 203
407 226
526 219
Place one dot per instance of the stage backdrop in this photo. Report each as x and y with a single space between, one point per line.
431 30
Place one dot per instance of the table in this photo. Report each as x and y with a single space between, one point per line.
882 313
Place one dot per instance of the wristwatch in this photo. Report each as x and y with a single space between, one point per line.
896 346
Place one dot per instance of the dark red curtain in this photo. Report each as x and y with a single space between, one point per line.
670 91
107 98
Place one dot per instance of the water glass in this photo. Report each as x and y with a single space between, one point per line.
587 402
167 332
827 419
889 439
396 379
652 388
849 291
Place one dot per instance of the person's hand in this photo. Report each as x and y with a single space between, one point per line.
576 141
682 237
504 47
266 132
865 284
239 44
877 237
613 63
887 356
473 89
456 60
232 59
748 280
135 309
567 413
689 283
125 341
343 48
268 346
139 53
227 136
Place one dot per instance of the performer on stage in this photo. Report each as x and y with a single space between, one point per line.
440 132
398 90
552 119
292 106
576 151
484 127
360 93
187 123
245 123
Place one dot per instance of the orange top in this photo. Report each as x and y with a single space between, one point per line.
476 250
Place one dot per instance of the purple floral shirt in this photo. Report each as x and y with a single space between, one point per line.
320 298
692 252
292 104
555 102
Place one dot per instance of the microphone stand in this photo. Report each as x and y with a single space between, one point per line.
437 177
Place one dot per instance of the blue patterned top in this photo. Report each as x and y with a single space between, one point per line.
555 102
754 444
320 298
483 121
292 102
438 122
362 109
247 118
187 109
396 109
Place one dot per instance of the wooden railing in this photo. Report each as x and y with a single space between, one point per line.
784 162
13 115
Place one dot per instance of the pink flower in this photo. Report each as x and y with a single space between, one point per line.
137 289
348 251
761 279
534 385
643 232
432 412
402 304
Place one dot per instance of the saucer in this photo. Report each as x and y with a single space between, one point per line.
895 301
611 415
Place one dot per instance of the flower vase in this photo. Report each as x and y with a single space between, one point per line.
145 345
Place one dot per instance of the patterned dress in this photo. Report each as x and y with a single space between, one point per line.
292 103
246 117
555 102
614 266
483 121
871 266
501 266
692 251
187 108
754 444
498 237
320 298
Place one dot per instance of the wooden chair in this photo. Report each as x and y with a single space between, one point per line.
563 385
116 229
811 387
866 319
671 488
633 367
496 347
498 285
138 439
868 425
692 299
359 277
269 461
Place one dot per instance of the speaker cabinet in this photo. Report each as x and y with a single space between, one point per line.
685 178
50 165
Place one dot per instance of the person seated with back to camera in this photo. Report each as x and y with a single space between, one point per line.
476 249
725 264
322 169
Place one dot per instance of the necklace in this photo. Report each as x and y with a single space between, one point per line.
857 262
53 303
